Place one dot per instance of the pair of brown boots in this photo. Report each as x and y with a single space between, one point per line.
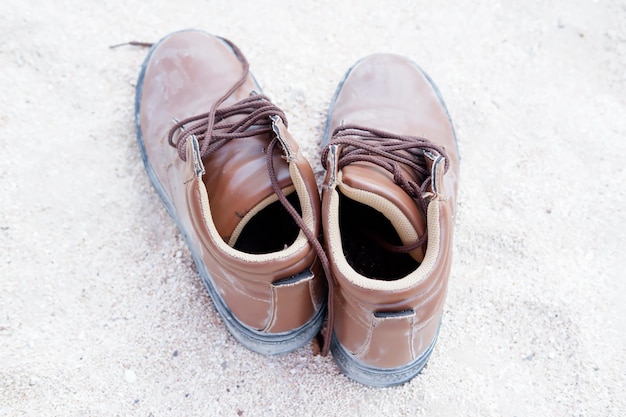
222 160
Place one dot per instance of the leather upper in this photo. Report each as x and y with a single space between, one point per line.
387 324
186 73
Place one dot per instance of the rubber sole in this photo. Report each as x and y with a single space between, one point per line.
366 374
260 342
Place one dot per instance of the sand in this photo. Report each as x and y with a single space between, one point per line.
103 314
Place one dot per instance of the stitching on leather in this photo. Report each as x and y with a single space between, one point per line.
412 337
274 315
314 303
366 343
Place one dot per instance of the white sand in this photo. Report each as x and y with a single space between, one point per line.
101 312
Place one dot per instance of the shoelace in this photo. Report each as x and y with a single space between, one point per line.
388 150
213 129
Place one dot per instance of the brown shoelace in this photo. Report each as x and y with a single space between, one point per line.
388 150
214 129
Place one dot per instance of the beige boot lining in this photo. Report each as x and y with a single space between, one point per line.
298 245
412 279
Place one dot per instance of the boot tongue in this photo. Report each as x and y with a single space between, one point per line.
388 198
238 183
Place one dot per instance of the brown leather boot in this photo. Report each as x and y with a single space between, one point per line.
388 206
220 157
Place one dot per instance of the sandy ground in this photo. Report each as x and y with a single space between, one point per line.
102 313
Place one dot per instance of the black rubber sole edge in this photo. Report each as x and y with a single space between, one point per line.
358 371
254 340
